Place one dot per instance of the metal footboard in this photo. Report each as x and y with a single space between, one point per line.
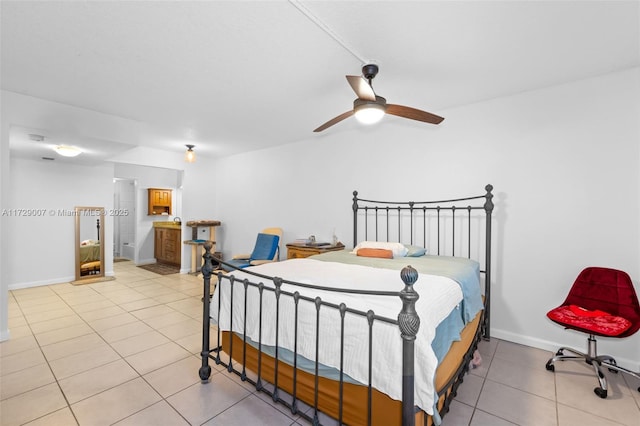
407 321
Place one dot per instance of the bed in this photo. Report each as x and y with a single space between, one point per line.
354 335
89 257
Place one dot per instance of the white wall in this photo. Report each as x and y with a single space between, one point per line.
42 248
564 162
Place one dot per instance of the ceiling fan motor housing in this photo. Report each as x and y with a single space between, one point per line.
369 71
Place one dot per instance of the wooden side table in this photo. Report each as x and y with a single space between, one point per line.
296 251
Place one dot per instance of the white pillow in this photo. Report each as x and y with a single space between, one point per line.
399 250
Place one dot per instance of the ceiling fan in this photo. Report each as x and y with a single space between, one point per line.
370 108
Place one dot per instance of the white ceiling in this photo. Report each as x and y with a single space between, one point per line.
233 76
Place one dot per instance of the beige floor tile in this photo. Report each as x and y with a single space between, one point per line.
54 336
113 321
102 313
521 354
83 361
182 328
17 344
124 296
125 331
13 384
529 378
115 404
480 418
516 406
19 330
46 303
138 304
175 377
160 356
192 343
459 414
166 320
171 297
89 383
142 342
72 346
158 414
62 322
93 306
569 416
470 391
153 289
153 311
574 388
250 411
62 288
62 417
17 320
201 402
31 405
37 316
83 299
21 360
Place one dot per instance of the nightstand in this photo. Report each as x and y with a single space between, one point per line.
296 251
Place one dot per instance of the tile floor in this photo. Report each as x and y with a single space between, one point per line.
125 352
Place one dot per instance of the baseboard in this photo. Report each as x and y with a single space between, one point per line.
5 335
552 346
18 286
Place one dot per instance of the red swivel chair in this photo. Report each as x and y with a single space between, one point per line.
602 302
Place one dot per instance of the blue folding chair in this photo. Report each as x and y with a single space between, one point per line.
266 249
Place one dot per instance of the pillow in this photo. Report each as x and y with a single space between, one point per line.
398 249
375 252
415 251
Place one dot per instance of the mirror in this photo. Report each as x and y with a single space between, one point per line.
89 242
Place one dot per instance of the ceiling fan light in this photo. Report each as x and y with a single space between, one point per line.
67 151
369 113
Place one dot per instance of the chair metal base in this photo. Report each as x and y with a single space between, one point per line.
596 361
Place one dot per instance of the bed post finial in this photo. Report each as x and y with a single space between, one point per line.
409 323
488 205
355 218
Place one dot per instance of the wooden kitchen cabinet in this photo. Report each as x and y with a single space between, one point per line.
159 201
167 246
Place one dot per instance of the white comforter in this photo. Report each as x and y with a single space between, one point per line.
438 296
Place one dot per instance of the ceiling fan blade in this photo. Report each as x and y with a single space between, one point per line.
361 87
334 120
413 114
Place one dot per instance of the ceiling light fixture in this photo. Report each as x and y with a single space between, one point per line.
67 151
369 112
190 156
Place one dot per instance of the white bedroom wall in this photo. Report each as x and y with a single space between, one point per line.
564 162
42 249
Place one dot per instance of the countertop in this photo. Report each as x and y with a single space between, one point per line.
167 224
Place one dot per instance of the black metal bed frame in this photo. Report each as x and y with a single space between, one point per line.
407 320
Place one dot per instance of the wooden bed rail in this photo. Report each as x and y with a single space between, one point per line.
408 322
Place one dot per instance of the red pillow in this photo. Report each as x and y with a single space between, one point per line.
375 252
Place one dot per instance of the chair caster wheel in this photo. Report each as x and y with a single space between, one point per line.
550 367
559 353
602 393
